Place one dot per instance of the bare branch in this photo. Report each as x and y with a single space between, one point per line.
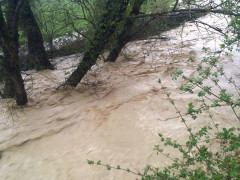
186 11
212 27
175 5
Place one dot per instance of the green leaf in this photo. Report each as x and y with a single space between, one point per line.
201 94
191 59
234 173
108 167
90 162
177 74
205 48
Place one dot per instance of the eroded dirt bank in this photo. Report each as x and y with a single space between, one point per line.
114 115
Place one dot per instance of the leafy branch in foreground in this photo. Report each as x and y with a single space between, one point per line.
109 167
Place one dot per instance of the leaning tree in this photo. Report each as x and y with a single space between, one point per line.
104 29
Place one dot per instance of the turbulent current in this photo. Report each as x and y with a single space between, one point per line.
114 115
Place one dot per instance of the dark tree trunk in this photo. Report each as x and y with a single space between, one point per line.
9 44
114 53
35 40
8 89
50 44
10 49
125 34
107 26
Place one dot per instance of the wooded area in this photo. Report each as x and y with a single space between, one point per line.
114 24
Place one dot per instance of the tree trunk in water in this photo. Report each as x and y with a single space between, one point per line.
50 44
114 53
125 34
8 90
106 27
10 49
9 45
35 40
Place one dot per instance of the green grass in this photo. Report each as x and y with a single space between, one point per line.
54 17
